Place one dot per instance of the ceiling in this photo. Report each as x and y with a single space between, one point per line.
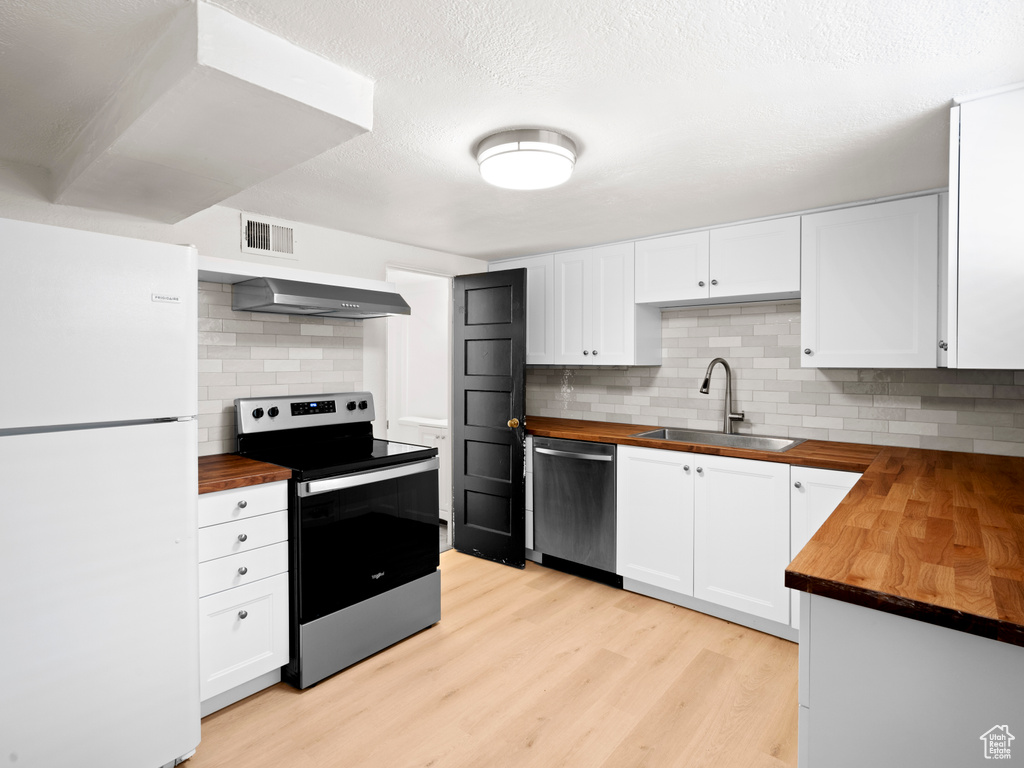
686 114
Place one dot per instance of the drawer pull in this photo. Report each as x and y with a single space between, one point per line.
242 614
243 504
242 537
242 571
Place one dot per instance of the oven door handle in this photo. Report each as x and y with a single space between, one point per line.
314 487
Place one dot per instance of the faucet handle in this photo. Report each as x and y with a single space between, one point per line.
737 416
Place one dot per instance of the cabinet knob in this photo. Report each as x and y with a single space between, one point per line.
808 351
686 467
714 282
594 353
242 537
586 351
798 484
943 345
701 283
243 504
700 470
242 571
242 614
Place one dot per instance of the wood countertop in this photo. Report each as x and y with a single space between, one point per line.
935 536
226 470
851 457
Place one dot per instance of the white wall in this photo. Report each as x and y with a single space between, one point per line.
24 195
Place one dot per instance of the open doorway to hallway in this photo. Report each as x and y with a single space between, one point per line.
419 374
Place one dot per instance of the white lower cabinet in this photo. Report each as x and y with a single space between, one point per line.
741 535
654 517
243 633
243 592
814 495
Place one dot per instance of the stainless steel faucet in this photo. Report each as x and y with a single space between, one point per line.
730 416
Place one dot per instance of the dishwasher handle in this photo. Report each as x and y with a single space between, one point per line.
574 455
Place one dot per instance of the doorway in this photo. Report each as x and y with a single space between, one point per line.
419 373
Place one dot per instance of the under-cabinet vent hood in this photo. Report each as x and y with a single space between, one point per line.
291 297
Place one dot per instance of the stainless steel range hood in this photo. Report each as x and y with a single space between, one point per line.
291 297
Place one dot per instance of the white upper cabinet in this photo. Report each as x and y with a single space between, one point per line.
596 320
760 261
673 269
757 259
869 286
986 204
540 305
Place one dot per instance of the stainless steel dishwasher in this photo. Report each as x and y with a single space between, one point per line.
574 506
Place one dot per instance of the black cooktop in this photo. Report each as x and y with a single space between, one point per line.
313 454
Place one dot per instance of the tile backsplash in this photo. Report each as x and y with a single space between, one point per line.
960 410
254 354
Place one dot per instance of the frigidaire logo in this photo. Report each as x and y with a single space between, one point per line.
377 575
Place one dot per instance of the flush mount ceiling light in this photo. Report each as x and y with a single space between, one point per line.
528 158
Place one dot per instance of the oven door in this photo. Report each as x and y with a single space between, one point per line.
362 534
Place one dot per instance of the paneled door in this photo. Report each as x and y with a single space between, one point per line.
489 430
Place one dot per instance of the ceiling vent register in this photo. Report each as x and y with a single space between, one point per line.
267 236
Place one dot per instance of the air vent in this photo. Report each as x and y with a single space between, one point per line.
270 237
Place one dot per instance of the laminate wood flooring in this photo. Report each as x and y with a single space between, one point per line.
532 668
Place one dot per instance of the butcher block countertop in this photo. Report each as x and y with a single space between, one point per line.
851 457
935 536
226 470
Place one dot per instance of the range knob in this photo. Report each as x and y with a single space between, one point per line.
257 413
362 405
273 411
351 405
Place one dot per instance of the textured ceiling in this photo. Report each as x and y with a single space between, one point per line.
686 114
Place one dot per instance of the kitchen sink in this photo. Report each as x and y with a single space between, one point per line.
707 437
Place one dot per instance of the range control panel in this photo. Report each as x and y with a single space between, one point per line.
267 414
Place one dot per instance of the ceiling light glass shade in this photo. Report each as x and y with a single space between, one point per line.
528 158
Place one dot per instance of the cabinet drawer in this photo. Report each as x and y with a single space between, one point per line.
242 535
234 650
226 572
239 503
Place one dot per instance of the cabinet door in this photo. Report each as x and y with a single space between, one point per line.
869 286
612 319
761 258
540 305
572 307
741 535
243 633
814 495
989 320
654 517
670 269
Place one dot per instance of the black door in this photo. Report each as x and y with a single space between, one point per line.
489 384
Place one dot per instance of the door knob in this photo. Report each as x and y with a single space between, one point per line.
513 423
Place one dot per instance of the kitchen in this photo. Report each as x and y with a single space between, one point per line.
947 409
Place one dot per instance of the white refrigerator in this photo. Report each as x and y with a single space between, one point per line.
99 656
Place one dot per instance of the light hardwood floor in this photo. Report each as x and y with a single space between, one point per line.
532 668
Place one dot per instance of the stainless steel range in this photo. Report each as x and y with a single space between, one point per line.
362 527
